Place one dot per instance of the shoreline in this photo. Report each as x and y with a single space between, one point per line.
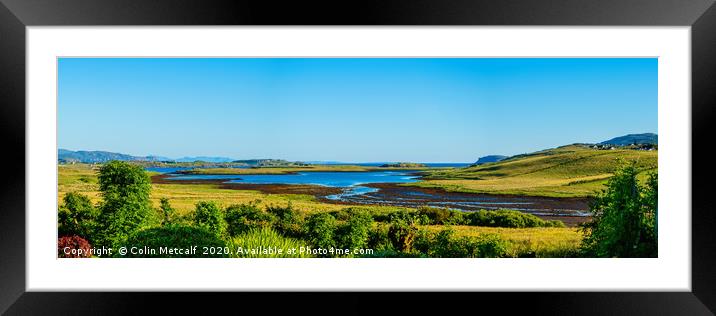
549 205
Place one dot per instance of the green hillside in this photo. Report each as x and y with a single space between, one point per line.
568 171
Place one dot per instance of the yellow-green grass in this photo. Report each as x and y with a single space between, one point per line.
287 170
569 171
542 241
183 197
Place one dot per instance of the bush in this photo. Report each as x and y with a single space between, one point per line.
241 218
354 233
507 218
406 217
436 216
624 218
77 216
209 216
379 238
423 241
491 246
264 243
402 235
288 220
126 207
167 211
320 230
77 246
179 237
445 245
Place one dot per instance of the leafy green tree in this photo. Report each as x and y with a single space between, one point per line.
320 230
289 221
354 233
378 238
241 218
402 234
624 217
167 210
126 207
179 238
209 216
77 216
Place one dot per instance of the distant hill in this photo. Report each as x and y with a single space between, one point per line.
490 158
645 138
96 156
567 171
204 158
64 155
269 163
403 165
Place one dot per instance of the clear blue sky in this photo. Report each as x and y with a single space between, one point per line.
351 109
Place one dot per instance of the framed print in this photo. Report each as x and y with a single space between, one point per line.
463 147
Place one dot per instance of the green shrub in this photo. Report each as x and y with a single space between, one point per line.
241 218
321 229
265 243
346 213
77 216
436 216
446 245
379 239
288 221
126 207
208 215
491 246
406 217
624 217
423 242
402 235
168 211
507 218
179 238
354 232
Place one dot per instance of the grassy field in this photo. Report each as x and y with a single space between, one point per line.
542 241
568 171
82 178
183 197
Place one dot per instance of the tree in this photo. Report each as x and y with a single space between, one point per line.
289 221
320 230
354 233
126 207
77 216
208 215
167 211
624 217
241 218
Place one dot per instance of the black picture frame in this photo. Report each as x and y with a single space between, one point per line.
16 15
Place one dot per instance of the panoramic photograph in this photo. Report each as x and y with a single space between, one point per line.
357 158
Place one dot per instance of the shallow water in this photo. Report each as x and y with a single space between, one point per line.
349 181
356 191
409 197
